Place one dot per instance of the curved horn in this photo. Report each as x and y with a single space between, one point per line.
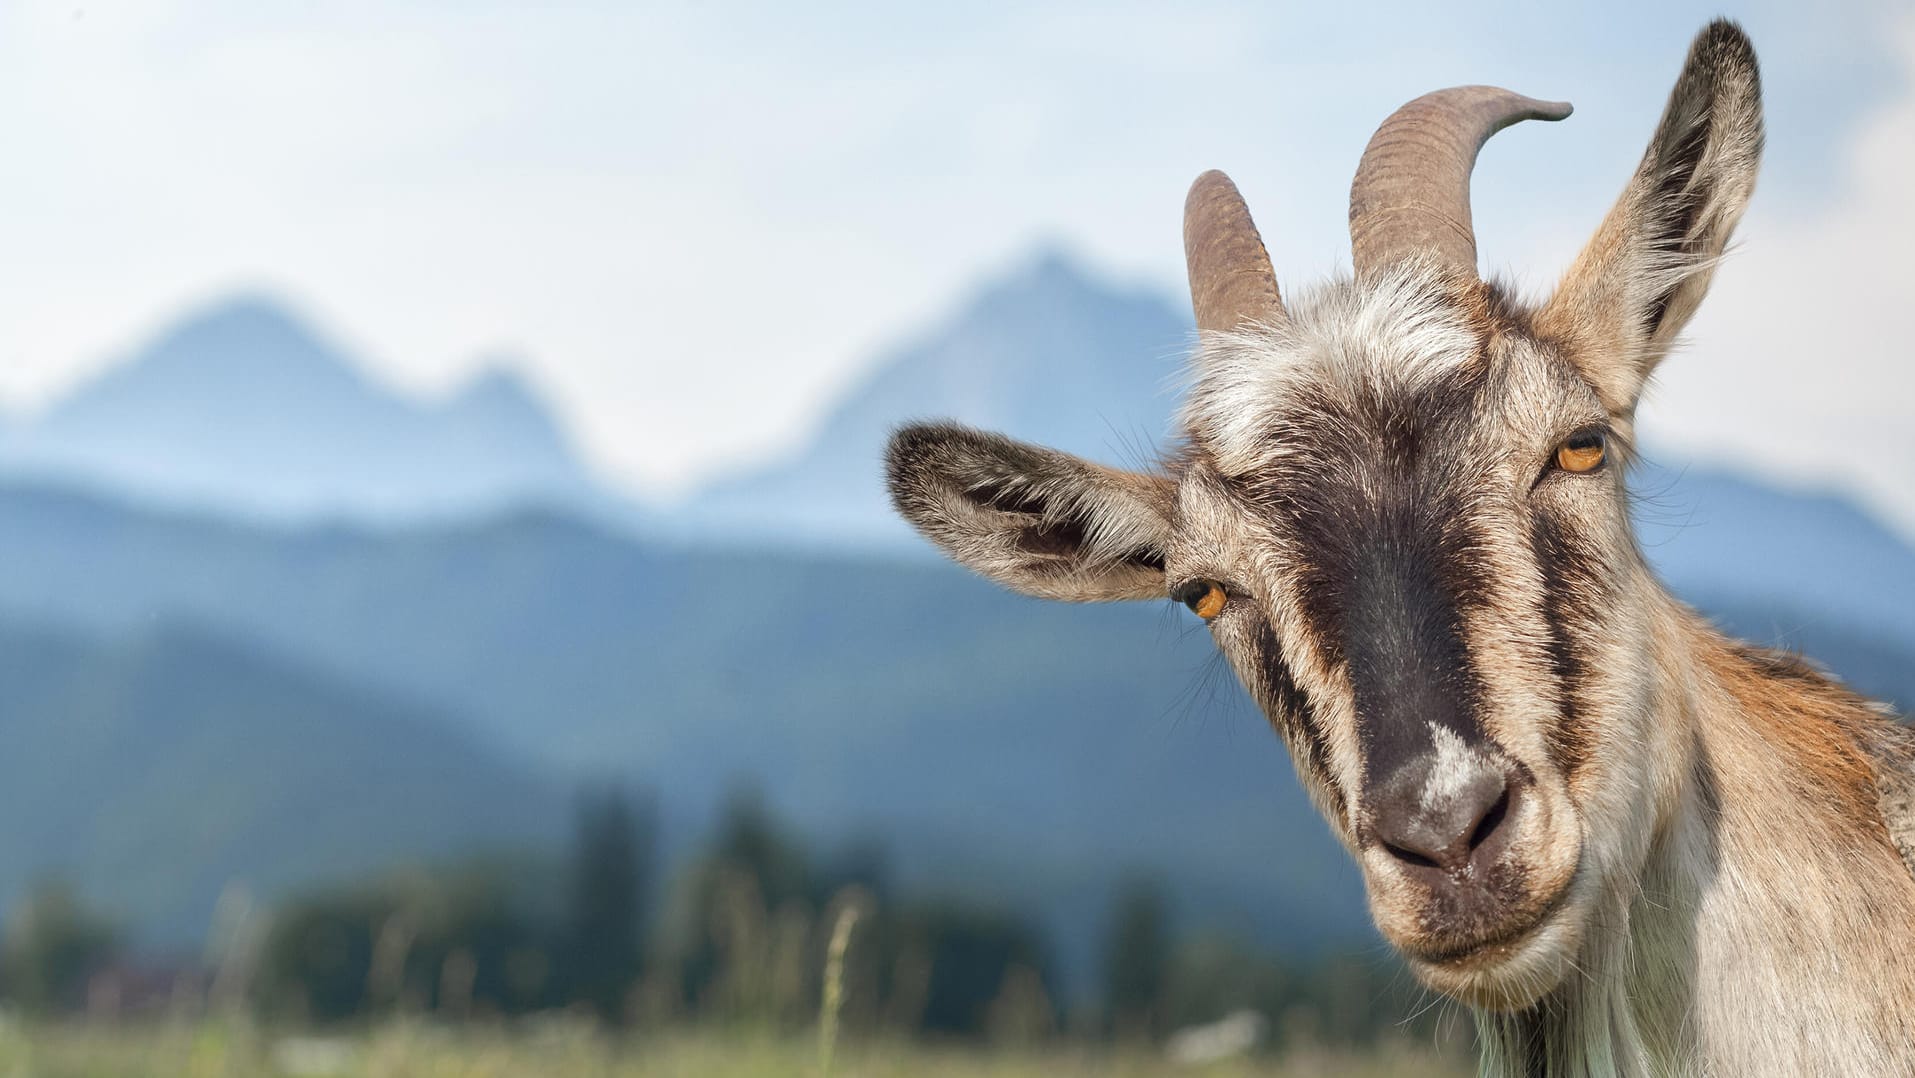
1231 281
1411 191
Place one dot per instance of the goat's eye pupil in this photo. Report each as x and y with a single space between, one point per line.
1205 598
1582 452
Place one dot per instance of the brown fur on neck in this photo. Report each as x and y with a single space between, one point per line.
1829 741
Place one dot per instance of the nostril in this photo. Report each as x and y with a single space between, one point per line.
1491 821
1410 857
1426 819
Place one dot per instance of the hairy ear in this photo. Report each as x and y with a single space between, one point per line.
1035 520
1631 291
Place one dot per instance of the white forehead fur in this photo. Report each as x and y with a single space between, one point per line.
1379 335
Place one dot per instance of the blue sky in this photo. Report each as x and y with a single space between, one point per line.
694 223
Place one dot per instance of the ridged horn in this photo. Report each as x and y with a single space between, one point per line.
1231 282
1411 192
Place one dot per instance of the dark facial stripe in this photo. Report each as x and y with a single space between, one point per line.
1387 564
1408 666
1289 707
1571 579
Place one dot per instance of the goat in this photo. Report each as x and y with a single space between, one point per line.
1627 843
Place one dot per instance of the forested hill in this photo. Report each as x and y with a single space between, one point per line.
1029 751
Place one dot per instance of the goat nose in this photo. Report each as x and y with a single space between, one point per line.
1428 816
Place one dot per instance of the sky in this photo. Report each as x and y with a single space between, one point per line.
694 225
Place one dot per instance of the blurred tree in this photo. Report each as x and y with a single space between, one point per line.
610 877
725 905
53 943
752 842
476 938
750 929
1211 976
1136 960
966 955
455 940
317 959
1327 999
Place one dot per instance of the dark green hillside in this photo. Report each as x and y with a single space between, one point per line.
1028 752
1045 749
153 773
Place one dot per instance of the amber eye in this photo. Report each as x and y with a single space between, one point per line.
1205 598
1583 452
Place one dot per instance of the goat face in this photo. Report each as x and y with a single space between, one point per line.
1399 506
1412 506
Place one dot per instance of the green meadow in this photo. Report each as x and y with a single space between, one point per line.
563 1048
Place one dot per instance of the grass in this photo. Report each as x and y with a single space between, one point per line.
564 1049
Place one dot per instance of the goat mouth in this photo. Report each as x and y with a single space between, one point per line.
1488 950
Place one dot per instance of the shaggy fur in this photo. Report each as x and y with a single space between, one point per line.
1629 844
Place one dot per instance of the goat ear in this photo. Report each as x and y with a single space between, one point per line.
1628 295
1035 520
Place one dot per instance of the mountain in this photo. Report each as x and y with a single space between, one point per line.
245 408
156 770
1047 353
1029 752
